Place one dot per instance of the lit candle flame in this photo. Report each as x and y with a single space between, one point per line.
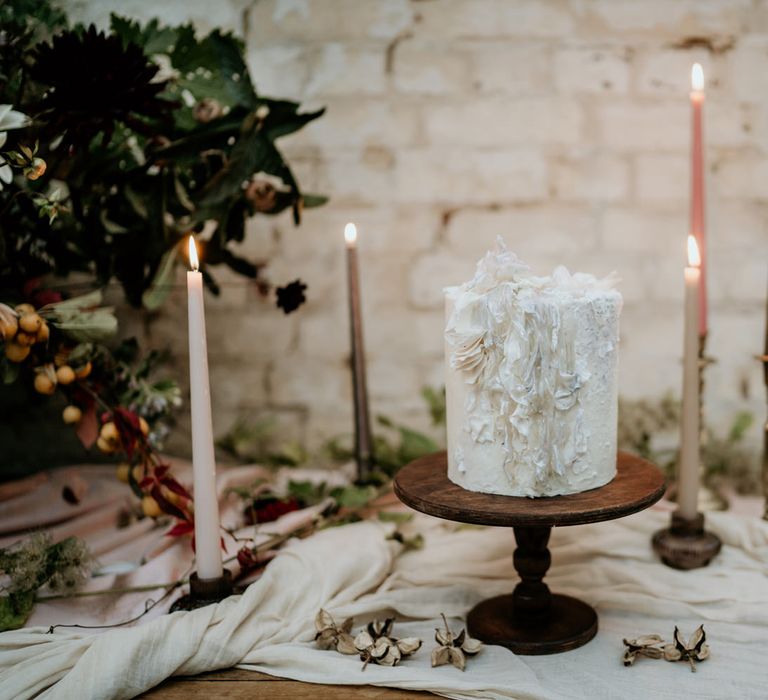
193 259
697 78
694 258
350 234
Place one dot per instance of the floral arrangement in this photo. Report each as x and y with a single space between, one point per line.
115 146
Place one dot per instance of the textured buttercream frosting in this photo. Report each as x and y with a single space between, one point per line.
531 379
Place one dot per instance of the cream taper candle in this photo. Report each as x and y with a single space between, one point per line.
207 525
688 471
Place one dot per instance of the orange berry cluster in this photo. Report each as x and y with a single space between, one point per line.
21 332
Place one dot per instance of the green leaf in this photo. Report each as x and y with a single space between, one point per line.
395 517
203 137
81 318
15 609
152 38
284 118
9 371
354 496
435 399
741 424
161 285
84 301
251 154
307 492
313 200
415 444
89 326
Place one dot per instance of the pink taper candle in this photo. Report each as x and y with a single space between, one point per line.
697 186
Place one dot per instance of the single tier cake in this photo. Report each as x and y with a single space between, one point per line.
531 379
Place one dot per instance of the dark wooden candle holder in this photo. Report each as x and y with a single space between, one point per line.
204 591
531 619
685 544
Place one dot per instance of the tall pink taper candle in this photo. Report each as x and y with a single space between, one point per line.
688 471
697 187
207 533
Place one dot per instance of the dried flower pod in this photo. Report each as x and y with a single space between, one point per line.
375 644
696 649
330 636
453 648
642 646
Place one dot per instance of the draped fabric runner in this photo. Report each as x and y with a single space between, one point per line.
356 570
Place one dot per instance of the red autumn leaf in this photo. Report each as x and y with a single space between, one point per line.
128 418
172 485
247 559
165 505
127 424
180 529
265 510
87 430
146 482
161 470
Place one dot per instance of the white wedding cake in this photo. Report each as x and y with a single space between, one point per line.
531 391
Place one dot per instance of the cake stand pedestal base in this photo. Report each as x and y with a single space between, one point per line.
531 619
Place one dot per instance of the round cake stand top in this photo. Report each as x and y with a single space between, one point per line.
424 486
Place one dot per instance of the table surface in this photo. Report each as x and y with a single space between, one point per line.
424 485
235 683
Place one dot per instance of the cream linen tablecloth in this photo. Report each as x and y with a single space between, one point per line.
356 570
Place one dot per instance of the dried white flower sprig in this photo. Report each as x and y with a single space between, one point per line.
696 649
331 636
377 645
453 648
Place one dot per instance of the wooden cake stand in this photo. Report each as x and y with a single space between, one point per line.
530 620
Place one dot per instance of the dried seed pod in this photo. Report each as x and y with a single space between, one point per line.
331 636
646 645
695 649
453 648
377 646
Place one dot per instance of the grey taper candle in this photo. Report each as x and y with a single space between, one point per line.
363 442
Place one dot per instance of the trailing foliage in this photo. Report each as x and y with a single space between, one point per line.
143 134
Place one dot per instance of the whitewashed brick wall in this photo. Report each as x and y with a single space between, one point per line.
561 125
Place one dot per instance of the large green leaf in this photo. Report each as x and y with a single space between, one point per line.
253 153
213 67
84 301
153 38
284 117
81 318
161 285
